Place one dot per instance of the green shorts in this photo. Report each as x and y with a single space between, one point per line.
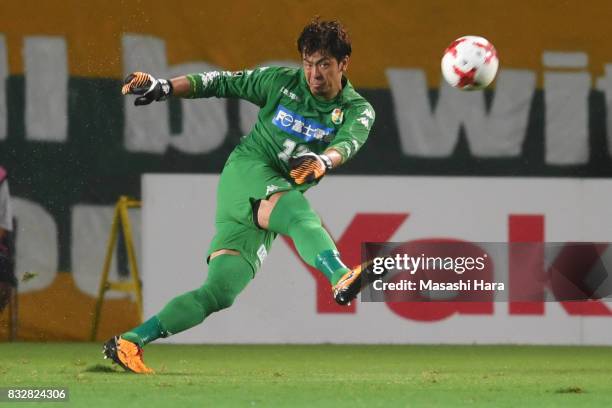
245 179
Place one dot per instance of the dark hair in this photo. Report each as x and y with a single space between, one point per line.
329 37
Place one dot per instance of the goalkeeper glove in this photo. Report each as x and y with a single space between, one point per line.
307 167
147 87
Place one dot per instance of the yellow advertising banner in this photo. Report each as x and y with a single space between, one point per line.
237 34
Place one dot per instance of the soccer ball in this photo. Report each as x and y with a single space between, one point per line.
470 63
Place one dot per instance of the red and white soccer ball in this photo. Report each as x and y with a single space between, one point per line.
470 63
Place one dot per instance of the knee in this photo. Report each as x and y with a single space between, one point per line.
220 293
228 275
288 211
303 221
224 300
215 298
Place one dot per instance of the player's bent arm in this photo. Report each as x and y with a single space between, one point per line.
354 133
306 167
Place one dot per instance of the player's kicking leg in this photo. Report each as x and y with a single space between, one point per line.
289 213
348 287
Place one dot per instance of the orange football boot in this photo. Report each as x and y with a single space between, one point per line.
127 354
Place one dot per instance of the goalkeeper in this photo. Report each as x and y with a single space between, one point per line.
311 120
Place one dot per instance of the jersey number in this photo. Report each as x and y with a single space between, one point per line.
289 149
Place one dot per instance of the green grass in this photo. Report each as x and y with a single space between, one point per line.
318 376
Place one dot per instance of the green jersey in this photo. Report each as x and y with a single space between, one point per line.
291 120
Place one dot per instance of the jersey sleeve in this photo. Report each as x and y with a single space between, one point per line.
354 132
251 85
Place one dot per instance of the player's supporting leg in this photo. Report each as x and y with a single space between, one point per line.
228 275
293 216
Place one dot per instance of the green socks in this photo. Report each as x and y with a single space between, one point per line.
330 264
228 275
146 332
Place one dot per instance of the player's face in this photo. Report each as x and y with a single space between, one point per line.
324 74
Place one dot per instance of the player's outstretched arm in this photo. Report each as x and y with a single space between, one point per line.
149 89
251 85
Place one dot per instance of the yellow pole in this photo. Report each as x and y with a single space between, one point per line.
131 253
112 240
120 216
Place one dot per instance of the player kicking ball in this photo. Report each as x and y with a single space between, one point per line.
311 120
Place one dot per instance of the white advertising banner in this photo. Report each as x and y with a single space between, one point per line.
288 303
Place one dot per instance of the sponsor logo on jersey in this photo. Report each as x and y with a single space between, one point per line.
337 116
290 94
296 125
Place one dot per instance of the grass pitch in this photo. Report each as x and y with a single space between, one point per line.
318 376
